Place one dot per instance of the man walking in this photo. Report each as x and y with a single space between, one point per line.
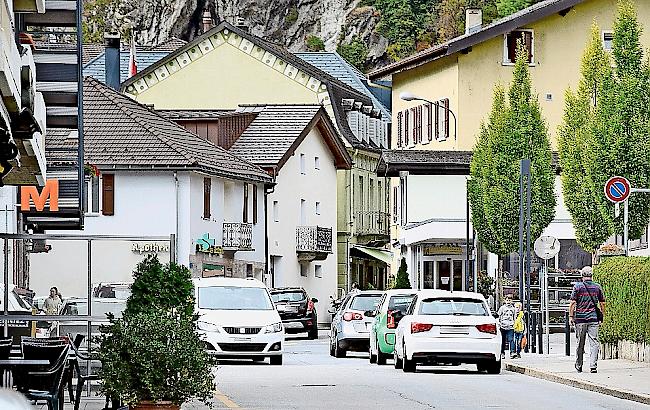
586 311
507 313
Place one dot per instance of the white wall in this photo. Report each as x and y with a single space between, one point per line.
292 186
436 196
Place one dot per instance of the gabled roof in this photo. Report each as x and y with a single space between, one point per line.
499 27
337 89
123 134
96 67
277 131
335 65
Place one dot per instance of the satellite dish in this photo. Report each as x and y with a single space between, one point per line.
546 247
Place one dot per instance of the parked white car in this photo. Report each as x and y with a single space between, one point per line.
447 328
237 319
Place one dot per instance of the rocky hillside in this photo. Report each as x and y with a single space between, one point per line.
367 32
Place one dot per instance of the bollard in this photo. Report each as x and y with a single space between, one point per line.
567 335
540 334
527 332
533 333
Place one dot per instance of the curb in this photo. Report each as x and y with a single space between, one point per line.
579 384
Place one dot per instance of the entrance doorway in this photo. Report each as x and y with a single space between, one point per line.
428 275
444 271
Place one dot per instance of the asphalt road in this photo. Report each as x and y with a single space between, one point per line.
311 379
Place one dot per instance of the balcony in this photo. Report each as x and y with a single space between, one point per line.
237 236
313 242
371 223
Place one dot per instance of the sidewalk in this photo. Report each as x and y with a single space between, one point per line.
619 378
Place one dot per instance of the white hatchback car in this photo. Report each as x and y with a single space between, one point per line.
237 319
448 328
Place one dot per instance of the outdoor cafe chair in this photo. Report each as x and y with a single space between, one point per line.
5 351
81 379
48 384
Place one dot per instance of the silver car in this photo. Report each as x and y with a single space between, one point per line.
350 329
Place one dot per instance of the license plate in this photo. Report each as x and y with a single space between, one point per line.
281 308
454 330
242 339
293 325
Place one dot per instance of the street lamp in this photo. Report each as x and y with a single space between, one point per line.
409 96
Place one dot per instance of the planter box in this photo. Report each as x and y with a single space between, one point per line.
624 349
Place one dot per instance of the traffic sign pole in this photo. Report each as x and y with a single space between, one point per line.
626 216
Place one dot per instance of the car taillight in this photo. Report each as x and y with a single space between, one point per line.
390 320
347 316
420 327
487 328
310 306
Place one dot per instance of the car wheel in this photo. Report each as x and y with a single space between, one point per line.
493 367
338 351
331 347
313 333
381 357
408 366
372 357
276 360
397 361
480 367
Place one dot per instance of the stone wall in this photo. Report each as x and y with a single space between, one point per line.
624 349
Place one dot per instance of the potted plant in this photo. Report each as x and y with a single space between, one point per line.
153 357
91 170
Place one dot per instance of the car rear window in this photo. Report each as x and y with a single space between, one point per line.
365 302
233 298
288 296
453 306
400 302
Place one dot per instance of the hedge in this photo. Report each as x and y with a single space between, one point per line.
626 283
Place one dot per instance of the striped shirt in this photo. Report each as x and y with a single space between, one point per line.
585 309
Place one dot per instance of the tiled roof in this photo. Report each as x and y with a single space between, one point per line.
277 130
96 68
335 65
169 45
121 133
194 114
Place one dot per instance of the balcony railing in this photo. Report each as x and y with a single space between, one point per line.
237 236
371 223
313 239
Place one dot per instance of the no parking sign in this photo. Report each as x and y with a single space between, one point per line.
617 189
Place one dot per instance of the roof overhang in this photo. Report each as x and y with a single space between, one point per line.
379 254
417 162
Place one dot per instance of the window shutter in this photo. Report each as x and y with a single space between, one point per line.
255 203
108 194
446 106
436 107
429 130
407 130
207 187
245 213
400 128
528 42
414 136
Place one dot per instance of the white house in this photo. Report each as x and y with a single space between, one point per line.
156 179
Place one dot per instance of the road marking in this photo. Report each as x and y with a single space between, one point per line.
225 399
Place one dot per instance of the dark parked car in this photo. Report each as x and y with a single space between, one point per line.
297 310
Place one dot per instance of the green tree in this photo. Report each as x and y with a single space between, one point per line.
508 7
355 52
515 131
402 280
576 144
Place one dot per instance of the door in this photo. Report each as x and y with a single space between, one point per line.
458 268
444 273
428 275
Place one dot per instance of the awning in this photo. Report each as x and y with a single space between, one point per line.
376 253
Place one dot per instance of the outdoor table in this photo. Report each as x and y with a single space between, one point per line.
11 364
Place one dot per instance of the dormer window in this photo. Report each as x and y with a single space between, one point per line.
510 45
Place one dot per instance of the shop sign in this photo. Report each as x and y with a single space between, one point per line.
149 247
205 244
29 194
442 249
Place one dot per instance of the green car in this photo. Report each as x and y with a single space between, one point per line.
382 332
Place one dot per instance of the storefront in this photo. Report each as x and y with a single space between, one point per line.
440 265
369 267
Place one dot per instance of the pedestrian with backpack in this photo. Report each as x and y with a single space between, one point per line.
519 328
586 312
506 315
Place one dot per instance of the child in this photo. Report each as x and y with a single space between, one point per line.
519 328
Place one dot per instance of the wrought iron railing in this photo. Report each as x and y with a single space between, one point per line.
372 223
313 239
237 235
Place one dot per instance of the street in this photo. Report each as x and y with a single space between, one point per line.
310 378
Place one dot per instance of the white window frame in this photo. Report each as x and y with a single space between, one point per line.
317 207
303 165
304 270
603 33
318 271
504 57
276 211
89 196
316 162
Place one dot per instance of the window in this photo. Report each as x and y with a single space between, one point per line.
303 215
276 212
304 269
360 191
91 200
254 204
207 187
318 271
317 208
316 163
510 46
395 204
108 194
245 209
302 164
608 40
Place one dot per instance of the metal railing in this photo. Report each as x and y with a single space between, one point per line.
313 239
237 235
372 223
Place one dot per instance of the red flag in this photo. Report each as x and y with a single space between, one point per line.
133 66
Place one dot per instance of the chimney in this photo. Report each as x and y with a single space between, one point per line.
241 24
207 20
112 60
473 20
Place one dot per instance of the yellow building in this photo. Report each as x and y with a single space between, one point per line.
461 74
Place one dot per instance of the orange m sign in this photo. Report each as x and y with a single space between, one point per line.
50 190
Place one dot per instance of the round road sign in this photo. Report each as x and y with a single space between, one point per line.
546 247
617 189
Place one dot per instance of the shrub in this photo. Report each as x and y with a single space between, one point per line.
355 52
314 43
402 279
485 284
626 284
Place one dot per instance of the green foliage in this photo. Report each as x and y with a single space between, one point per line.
154 352
314 43
515 130
576 142
291 16
402 279
355 52
104 16
485 284
508 7
626 283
